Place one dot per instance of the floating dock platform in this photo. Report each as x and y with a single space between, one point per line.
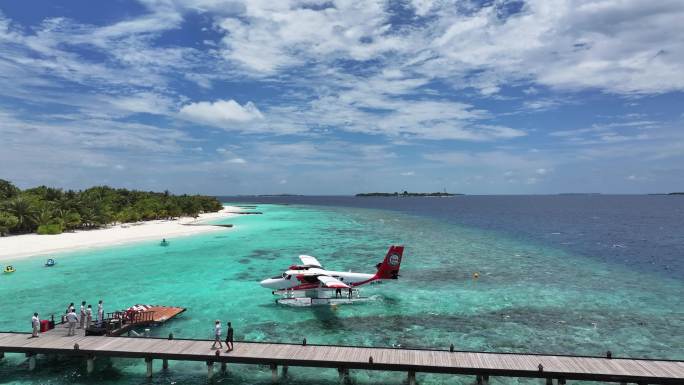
123 321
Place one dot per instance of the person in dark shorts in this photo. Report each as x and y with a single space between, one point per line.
229 338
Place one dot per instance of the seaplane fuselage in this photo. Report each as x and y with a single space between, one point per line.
308 279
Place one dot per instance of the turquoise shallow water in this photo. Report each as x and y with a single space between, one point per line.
529 297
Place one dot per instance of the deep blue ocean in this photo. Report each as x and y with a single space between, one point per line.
642 232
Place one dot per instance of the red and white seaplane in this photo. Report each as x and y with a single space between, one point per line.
310 284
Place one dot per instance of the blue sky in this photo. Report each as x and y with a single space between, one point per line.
338 97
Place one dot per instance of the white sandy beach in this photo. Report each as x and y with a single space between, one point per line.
27 245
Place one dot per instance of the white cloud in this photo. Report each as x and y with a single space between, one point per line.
267 36
237 161
408 173
541 104
221 113
144 102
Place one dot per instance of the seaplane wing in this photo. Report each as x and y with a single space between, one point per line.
332 283
310 261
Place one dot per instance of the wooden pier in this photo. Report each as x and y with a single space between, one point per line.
481 365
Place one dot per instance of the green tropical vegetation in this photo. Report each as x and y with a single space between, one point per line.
48 210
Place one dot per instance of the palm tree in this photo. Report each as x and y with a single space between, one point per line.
45 216
7 190
25 211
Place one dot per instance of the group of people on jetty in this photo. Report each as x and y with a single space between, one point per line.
84 319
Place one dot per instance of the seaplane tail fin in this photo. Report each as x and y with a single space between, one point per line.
389 267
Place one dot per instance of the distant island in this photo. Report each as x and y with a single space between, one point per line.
676 193
406 194
48 210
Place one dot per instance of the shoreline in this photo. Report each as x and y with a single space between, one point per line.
16 247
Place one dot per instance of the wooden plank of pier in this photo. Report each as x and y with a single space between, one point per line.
409 360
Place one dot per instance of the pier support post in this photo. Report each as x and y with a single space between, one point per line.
411 378
549 381
274 373
210 370
2 355
478 380
344 374
32 362
148 361
284 370
561 381
224 367
90 364
165 364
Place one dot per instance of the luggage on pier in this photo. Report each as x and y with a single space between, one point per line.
44 325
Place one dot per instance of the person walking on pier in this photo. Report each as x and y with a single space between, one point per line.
72 318
83 314
100 312
217 335
35 322
89 315
229 338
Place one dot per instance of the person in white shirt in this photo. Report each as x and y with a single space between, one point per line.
72 318
89 316
217 335
100 312
83 315
35 322
67 311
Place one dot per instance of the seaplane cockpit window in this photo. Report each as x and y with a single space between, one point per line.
288 277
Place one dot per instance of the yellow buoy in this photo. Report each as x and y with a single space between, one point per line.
476 275
9 269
